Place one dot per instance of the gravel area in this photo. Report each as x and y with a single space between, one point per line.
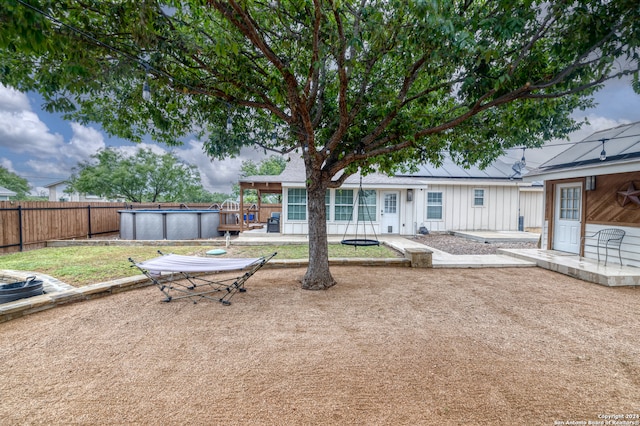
385 346
458 245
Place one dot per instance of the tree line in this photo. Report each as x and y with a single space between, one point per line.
145 176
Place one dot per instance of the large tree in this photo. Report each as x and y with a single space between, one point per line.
347 84
142 177
14 183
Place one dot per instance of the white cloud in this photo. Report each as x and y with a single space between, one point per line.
7 164
24 133
217 175
30 147
12 100
85 142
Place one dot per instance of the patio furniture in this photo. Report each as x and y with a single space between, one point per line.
273 224
608 238
199 287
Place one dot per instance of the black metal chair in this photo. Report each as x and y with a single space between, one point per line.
609 238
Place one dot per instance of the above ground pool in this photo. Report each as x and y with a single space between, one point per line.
168 224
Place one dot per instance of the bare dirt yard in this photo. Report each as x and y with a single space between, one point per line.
392 346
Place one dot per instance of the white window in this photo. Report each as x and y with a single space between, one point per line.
570 203
434 205
327 204
344 205
297 204
367 208
478 197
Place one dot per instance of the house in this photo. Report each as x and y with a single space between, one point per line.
5 194
466 199
447 198
56 193
594 184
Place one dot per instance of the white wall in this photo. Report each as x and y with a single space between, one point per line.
532 206
503 204
407 225
56 193
499 213
629 251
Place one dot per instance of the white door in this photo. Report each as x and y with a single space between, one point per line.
568 214
390 214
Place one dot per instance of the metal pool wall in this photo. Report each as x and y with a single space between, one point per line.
168 224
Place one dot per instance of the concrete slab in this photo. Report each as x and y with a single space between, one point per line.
582 268
499 236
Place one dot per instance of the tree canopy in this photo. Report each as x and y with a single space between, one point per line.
271 166
14 183
143 177
347 84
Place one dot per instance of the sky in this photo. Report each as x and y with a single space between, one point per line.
43 148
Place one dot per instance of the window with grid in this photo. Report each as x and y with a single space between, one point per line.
297 204
327 204
434 205
478 197
343 210
367 205
570 203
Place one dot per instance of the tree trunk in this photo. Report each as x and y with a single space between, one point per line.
318 276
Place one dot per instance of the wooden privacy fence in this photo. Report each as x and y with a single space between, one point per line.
26 225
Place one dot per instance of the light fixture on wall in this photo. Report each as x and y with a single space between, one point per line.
590 183
603 153
409 194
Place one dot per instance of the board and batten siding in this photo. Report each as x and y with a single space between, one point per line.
532 207
629 250
499 212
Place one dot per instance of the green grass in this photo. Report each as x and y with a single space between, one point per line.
81 266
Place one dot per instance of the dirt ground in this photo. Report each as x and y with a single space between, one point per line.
392 346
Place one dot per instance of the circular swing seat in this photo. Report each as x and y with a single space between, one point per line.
360 242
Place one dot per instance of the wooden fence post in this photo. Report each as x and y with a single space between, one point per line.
20 227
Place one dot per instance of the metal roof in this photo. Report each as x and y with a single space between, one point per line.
6 192
295 172
620 143
450 170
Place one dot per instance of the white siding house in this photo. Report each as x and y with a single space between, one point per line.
56 193
6 194
443 199
594 184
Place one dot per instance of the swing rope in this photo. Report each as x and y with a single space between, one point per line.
360 242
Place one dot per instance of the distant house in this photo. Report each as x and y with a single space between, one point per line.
448 198
594 184
6 194
56 193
